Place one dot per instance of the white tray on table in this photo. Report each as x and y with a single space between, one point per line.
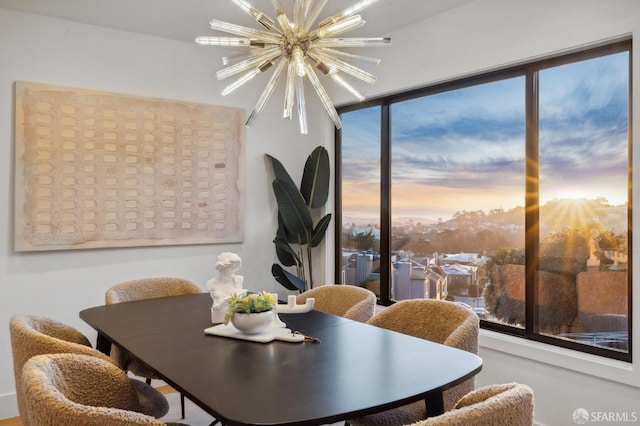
273 333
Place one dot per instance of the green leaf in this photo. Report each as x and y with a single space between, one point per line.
294 211
319 231
287 279
286 255
315 179
283 233
279 171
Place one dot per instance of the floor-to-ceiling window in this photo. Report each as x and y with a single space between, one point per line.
508 192
360 237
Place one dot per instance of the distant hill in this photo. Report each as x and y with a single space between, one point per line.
405 220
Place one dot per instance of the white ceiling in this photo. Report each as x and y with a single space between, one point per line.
185 19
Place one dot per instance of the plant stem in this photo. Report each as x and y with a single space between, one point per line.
310 261
301 269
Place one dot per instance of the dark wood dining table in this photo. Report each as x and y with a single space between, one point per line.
356 369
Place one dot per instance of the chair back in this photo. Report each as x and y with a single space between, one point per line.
348 301
438 321
150 288
33 335
80 390
510 404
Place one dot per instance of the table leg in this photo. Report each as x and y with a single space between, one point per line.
435 403
103 345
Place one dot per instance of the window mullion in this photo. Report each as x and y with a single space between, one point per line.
385 205
337 272
532 211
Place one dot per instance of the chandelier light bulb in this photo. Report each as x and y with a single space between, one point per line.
351 10
338 27
297 56
260 17
296 52
223 41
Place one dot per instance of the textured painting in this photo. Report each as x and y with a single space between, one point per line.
96 169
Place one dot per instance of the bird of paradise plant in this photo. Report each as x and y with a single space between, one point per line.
297 234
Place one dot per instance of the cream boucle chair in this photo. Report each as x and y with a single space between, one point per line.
438 321
509 404
347 301
146 288
33 335
150 288
79 390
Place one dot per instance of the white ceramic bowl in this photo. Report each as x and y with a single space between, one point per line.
252 323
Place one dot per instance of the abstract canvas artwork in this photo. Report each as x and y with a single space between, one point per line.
96 169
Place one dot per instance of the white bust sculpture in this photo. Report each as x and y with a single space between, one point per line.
226 283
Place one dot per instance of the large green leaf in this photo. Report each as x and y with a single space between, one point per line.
286 255
279 171
319 231
315 179
287 279
294 211
283 233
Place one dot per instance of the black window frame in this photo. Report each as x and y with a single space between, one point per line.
529 71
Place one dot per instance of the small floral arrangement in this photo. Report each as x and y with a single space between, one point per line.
252 303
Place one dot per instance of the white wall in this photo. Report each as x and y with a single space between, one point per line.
490 34
485 34
60 284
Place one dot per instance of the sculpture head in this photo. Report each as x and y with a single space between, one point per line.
228 262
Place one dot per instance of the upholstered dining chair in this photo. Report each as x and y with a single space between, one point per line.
439 321
140 289
80 390
509 404
348 301
34 335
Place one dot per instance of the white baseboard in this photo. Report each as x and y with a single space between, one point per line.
8 405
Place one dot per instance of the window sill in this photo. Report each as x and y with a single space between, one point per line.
614 370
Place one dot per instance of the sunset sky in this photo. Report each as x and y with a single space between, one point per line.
464 149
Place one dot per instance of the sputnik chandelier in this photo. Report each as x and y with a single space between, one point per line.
292 46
